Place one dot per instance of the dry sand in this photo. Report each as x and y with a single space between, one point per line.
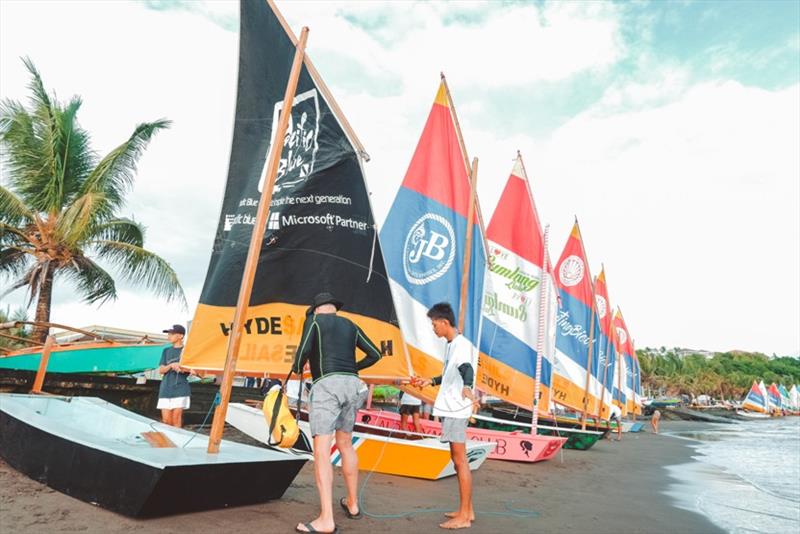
613 488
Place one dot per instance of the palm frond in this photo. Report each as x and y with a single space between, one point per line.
92 282
13 210
31 278
143 268
13 261
123 230
78 219
113 175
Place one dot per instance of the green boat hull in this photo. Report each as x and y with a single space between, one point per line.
95 359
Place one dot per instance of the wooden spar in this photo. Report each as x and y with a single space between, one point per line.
39 380
320 83
633 380
20 339
588 368
251 264
619 383
591 332
15 324
543 310
462 312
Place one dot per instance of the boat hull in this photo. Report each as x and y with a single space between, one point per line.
511 446
89 358
579 440
388 453
134 488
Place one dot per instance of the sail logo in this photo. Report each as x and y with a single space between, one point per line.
602 306
274 222
299 147
622 335
429 249
571 271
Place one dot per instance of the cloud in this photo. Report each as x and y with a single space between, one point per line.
684 179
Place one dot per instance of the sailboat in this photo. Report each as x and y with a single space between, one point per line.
774 400
754 404
320 235
794 398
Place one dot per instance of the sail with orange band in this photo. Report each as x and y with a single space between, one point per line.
512 300
321 233
574 337
425 241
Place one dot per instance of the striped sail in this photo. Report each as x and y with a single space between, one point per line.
573 332
625 351
511 305
786 401
606 354
424 241
794 397
754 401
774 398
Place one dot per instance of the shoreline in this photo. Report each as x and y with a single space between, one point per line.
614 487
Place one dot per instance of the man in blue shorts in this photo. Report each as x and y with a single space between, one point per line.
329 345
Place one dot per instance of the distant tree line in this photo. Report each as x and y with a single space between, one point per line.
727 375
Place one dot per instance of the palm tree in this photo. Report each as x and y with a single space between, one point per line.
59 204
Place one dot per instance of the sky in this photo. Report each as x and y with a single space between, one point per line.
669 129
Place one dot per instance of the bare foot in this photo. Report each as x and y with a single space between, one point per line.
455 514
456 523
317 525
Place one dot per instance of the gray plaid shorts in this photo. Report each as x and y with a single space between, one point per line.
334 402
454 430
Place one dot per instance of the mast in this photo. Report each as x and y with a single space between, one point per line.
619 381
543 309
462 312
591 334
246 287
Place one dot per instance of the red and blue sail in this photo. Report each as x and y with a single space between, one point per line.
774 397
755 400
424 241
625 353
606 352
512 297
574 326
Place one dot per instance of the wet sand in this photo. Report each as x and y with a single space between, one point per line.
613 488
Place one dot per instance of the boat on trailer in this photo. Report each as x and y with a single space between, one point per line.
379 449
514 446
94 451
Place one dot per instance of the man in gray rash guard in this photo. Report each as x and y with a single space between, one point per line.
329 345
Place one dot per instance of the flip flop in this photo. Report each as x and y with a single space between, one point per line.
311 528
350 515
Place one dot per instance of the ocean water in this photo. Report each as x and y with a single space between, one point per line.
747 477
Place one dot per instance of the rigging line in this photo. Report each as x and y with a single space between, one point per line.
372 253
510 510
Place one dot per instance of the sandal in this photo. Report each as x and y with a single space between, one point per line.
350 515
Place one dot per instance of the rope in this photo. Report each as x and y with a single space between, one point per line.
510 511
214 404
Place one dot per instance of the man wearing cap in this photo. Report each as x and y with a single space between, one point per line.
329 345
174 393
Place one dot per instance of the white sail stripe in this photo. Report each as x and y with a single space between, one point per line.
415 325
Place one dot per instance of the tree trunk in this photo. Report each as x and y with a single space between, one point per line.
43 307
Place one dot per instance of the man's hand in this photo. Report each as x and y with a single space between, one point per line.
466 393
420 382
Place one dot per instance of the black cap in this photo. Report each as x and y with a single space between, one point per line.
176 329
326 298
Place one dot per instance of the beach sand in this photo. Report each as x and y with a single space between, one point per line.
613 488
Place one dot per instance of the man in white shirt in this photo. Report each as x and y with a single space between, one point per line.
453 405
